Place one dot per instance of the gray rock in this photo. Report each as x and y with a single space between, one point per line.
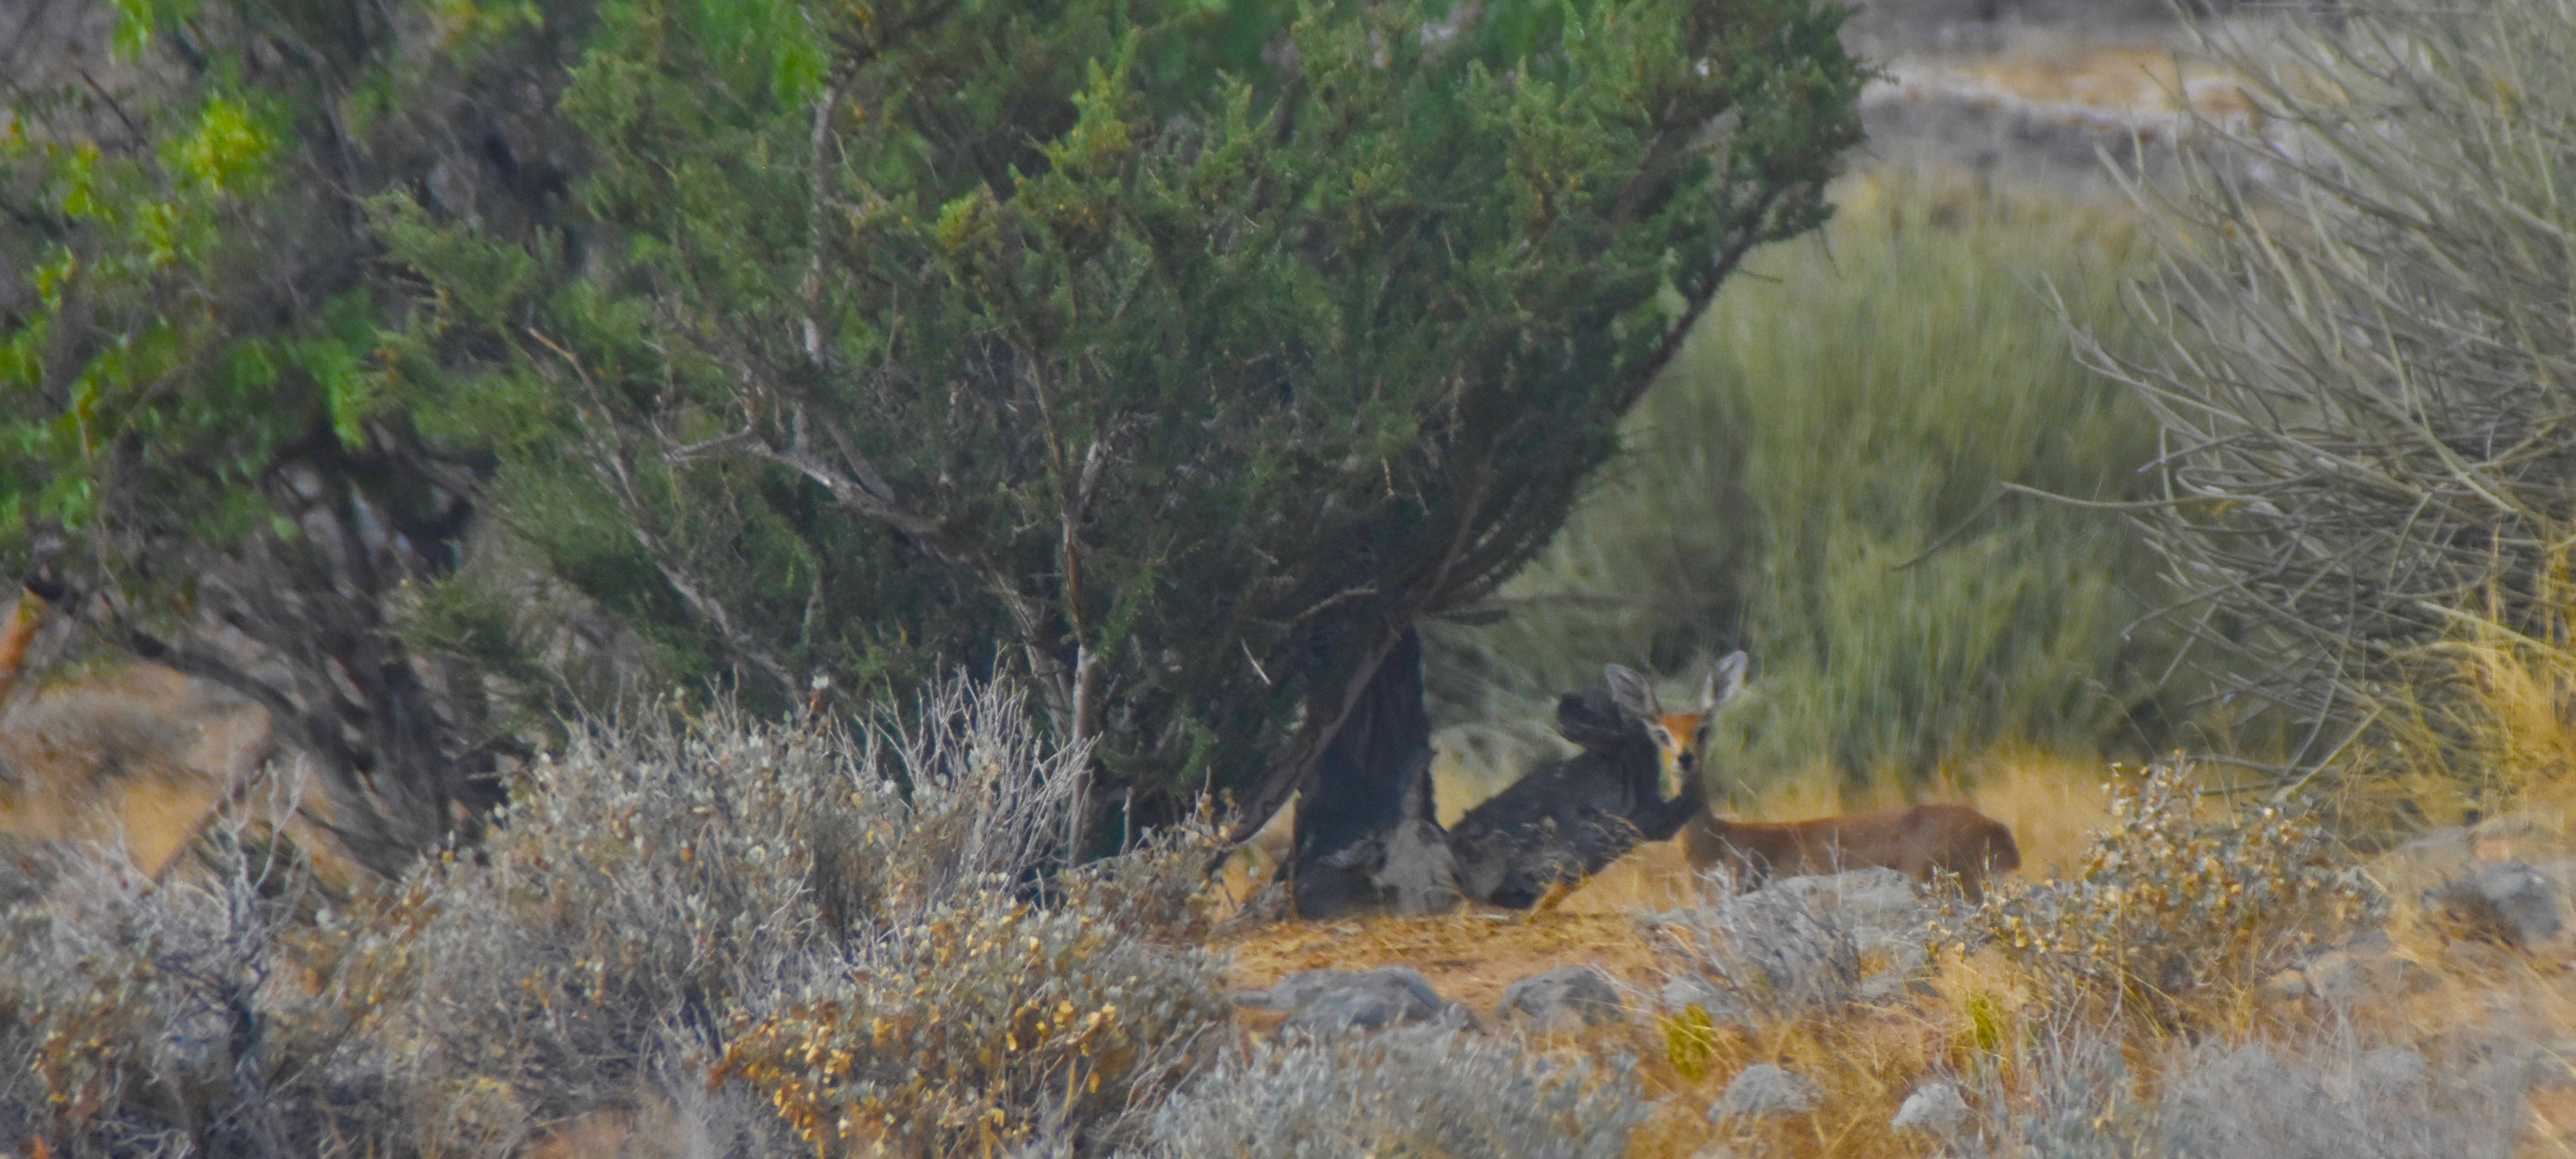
2390 1070
1564 999
1682 993
1935 1107
2502 901
2346 976
1883 908
1763 1090
1325 1002
1892 988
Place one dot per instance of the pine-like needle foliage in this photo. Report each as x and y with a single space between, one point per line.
1177 356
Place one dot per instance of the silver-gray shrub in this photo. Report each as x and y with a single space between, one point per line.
1771 951
657 892
2344 1104
655 897
1414 1091
174 1017
2369 366
2071 1095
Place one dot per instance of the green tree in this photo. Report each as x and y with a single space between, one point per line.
200 433
1178 357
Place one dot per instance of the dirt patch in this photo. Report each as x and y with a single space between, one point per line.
1469 957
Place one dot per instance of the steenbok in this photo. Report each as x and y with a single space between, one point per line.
1916 842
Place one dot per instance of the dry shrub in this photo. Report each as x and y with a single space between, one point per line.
2339 1102
2483 721
2169 911
2361 378
650 893
666 904
1421 1091
1795 945
982 1028
174 1017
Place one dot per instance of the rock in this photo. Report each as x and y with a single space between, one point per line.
1564 999
2561 872
1890 988
1935 1107
2346 976
2553 1065
1682 993
1763 1090
1325 1002
1883 908
2390 1070
2500 901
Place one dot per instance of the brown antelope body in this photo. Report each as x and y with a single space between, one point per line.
1917 842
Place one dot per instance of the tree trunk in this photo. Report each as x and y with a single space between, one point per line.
1368 837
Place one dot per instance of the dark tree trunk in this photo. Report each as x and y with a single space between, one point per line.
1368 837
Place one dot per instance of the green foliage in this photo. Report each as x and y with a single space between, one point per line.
212 388
137 230
170 352
1817 481
1175 355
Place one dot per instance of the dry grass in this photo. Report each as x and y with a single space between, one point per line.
1865 1062
1982 1015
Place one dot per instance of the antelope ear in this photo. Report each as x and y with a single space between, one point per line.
1633 693
1725 681
1592 723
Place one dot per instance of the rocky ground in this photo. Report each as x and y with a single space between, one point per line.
2039 94
1816 1016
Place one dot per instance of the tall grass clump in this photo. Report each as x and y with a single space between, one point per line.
2482 720
2365 366
1820 479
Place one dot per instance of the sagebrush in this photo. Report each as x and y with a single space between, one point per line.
661 912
